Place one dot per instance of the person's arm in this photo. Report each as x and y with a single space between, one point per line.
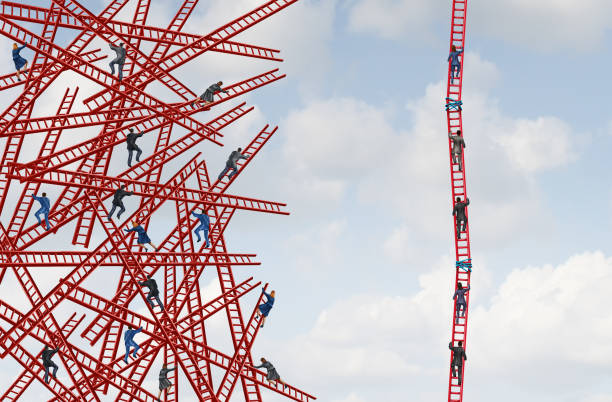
454 210
464 355
463 142
36 198
455 295
128 193
260 366
138 330
130 230
450 345
460 51
171 368
467 201
20 48
113 47
243 156
194 214
140 135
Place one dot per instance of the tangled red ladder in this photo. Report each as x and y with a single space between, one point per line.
81 171
458 189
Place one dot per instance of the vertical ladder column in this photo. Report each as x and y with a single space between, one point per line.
458 189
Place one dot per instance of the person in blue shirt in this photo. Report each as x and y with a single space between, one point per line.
204 226
265 308
128 337
453 57
45 205
461 304
19 61
143 237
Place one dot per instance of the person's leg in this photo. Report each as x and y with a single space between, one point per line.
234 171
37 213
112 66
457 312
223 172
138 153
112 211
464 223
121 210
159 302
206 237
47 219
458 226
263 320
150 300
54 370
120 71
459 158
453 369
127 352
136 348
47 374
459 372
197 232
130 151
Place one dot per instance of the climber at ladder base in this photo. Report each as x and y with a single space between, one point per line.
453 57
128 338
20 62
458 358
460 297
459 214
265 308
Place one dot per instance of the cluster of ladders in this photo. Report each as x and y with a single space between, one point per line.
463 270
79 173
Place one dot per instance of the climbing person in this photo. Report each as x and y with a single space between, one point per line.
131 146
453 57
46 355
234 157
209 95
120 193
272 373
45 206
153 291
459 214
265 308
143 237
458 145
128 337
164 383
119 59
461 304
20 62
458 358
204 226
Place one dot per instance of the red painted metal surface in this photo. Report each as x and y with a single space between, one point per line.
458 189
83 170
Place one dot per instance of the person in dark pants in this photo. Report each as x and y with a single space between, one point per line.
453 57
164 383
47 354
272 373
209 95
460 297
458 358
153 291
459 214
128 337
234 157
204 226
265 308
119 59
45 206
458 145
120 193
20 62
131 146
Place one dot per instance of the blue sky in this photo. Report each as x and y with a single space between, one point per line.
363 266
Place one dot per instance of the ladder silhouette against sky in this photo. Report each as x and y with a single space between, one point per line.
80 170
458 188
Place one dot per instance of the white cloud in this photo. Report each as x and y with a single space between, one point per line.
544 25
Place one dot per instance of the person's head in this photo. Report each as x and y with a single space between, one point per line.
121 44
46 347
263 360
272 293
458 132
459 285
460 343
220 83
458 199
134 223
454 48
239 149
130 327
44 194
15 46
165 365
203 211
122 186
131 130
148 276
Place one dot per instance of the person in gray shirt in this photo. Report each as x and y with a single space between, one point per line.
209 95
164 383
119 60
272 373
458 145
234 157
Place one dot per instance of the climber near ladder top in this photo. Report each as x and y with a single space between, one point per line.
20 62
234 157
458 145
46 355
119 60
128 338
459 214
130 140
120 193
153 291
453 57
461 303
458 358
45 206
209 95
